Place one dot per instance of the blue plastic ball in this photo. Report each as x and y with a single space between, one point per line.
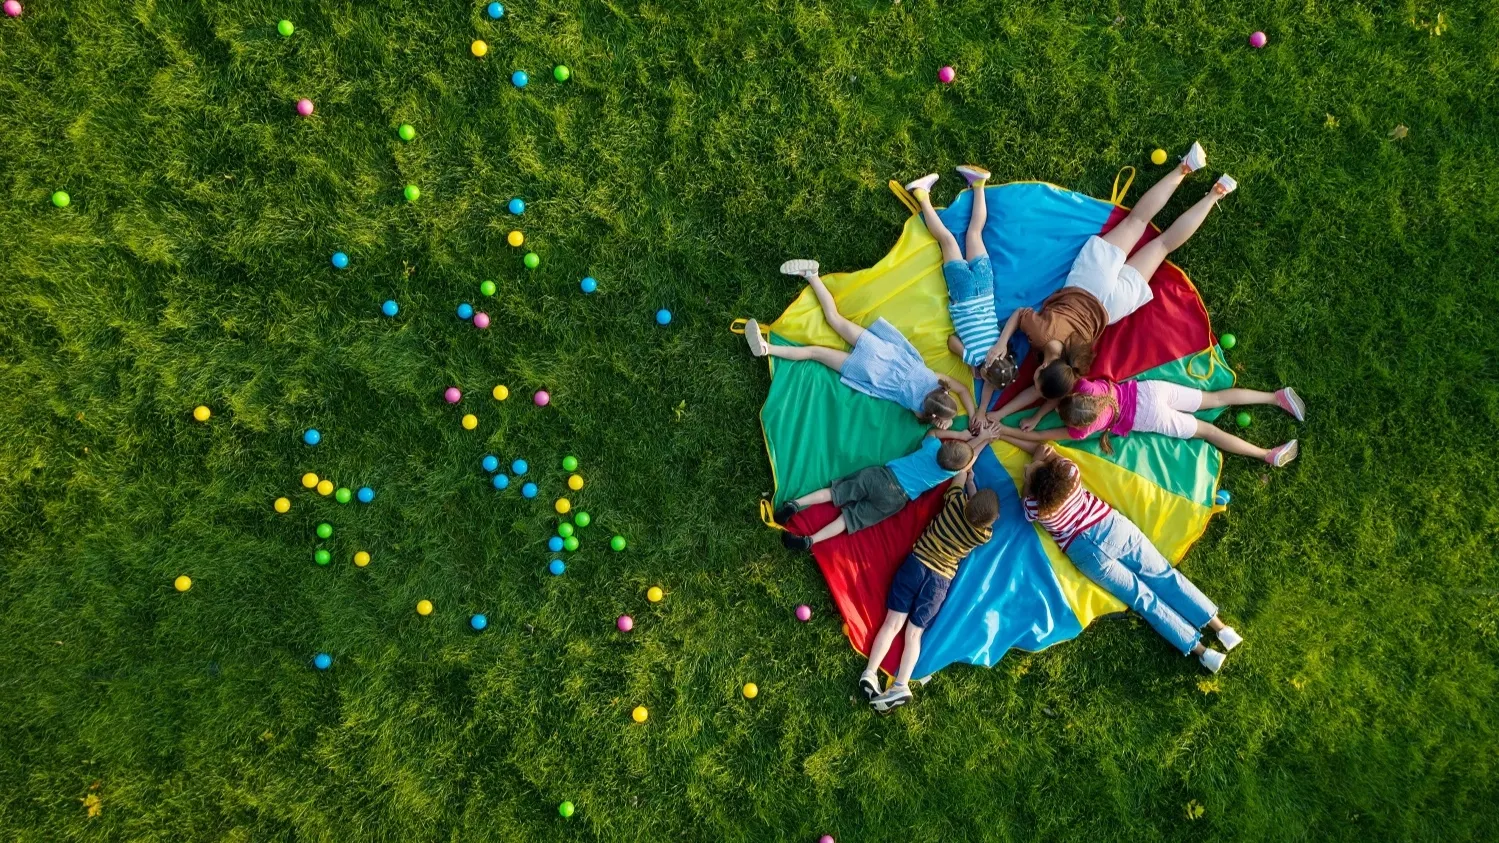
312 437
556 567
465 311
1223 497
519 467
322 661
495 10
500 481
340 260
554 544
478 622
528 490
519 78
663 317
491 463
366 494
517 206
589 284
390 308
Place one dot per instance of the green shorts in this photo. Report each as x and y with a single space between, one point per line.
868 496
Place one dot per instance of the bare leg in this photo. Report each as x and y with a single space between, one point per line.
1198 649
909 655
949 243
845 328
819 496
1130 229
1225 441
1215 624
837 528
1236 397
831 357
882 641
974 240
1150 256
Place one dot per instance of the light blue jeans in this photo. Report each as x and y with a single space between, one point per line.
1116 555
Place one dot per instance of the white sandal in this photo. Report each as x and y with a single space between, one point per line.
799 266
752 336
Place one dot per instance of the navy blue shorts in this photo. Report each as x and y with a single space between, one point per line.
918 591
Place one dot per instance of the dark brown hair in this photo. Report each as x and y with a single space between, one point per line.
1082 410
1051 482
938 405
1058 377
982 509
954 455
999 372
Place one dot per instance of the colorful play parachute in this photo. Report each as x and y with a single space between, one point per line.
1018 590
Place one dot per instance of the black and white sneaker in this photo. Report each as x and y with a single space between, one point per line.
897 696
870 685
793 542
785 511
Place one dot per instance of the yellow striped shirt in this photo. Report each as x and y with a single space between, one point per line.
949 537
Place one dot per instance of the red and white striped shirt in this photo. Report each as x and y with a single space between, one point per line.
1077 513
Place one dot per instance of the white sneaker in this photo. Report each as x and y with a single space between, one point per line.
1195 159
1212 660
799 266
756 341
924 183
895 697
1225 184
1229 638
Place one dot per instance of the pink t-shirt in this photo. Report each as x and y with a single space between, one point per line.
1120 423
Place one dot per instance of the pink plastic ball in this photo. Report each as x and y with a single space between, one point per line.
452 395
542 398
947 74
625 623
304 107
481 320
12 8
1258 40
804 613
826 838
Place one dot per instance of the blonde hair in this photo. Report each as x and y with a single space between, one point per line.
1083 410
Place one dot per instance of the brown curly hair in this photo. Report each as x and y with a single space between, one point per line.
1051 482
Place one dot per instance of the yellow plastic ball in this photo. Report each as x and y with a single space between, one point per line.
309 480
654 594
283 505
424 607
202 413
515 238
1158 157
640 715
751 690
501 392
183 583
361 559
325 487
470 421
564 506
575 482
478 48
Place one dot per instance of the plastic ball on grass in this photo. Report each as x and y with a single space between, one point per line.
390 308
531 260
640 714
554 544
804 613
565 809
325 530
470 421
61 199
625 623
325 487
311 436
282 505
366 494
575 482
565 530
570 544
490 463
322 557
495 11
561 73
569 463
826 838
1158 157
343 495
617 543
465 311
500 392
309 480
481 320
520 78
1243 419
589 284
479 49
542 398
563 506
519 467
946 74
515 238
663 317
12 9
1258 40
582 519
1223 498
202 413
407 132
182 583
361 559
654 594
411 192
1228 341
285 27
486 288
424 607
557 567
322 661
305 107
516 206
478 622
340 260
500 481
751 690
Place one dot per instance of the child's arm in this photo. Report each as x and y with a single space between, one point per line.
1023 444
945 434
1035 418
1027 397
986 395
1053 435
1009 331
955 345
969 487
963 393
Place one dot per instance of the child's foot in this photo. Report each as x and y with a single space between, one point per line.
869 683
972 173
897 696
1288 400
800 266
1284 454
755 339
1229 638
1225 185
922 186
1212 660
785 511
1195 159
796 542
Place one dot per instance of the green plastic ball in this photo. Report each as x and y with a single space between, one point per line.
1242 419
561 73
565 530
565 809
412 193
322 557
570 544
618 542
343 495
325 530
569 463
487 288
1228 341
285 28
532 260
407 132
61 199
582 519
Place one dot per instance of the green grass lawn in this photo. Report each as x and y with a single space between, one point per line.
698 145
